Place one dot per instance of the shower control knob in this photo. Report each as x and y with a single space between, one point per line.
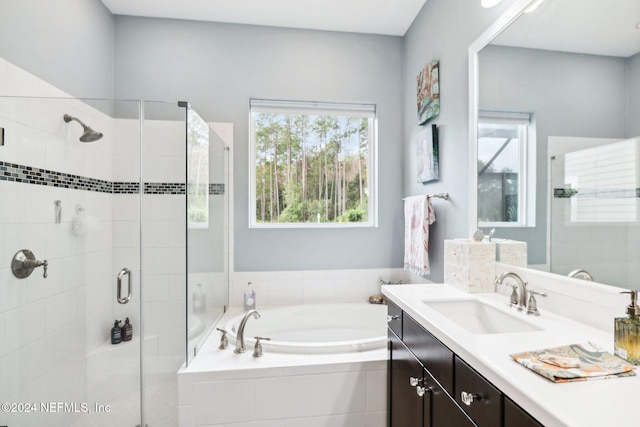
24 262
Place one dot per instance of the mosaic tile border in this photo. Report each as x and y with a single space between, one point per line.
216 189
566 193
31 175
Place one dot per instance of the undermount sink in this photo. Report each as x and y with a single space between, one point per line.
480 318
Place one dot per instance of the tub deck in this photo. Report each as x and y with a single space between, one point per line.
278 389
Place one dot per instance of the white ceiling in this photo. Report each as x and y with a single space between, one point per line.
390 17
598 27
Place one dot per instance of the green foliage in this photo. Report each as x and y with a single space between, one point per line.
197 215
357 214
311 168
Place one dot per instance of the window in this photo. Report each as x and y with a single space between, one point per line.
601 183
312 164
197 171
506 169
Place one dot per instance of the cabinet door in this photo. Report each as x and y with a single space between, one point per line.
479 398
444 411
406 408
515 416
434 355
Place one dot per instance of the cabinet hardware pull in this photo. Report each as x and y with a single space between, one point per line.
413 381
468 398
420 391
390 318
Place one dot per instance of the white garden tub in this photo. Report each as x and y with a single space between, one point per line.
318 328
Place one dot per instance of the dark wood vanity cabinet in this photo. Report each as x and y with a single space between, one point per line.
406 406
516 416
429 386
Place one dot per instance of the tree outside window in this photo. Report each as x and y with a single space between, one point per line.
312 164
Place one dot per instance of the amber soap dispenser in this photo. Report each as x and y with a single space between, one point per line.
627 332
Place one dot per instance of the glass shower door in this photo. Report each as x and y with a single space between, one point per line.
70 198
207 230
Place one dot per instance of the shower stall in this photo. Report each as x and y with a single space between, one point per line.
123 219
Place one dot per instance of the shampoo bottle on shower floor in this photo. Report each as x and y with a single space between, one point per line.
116 333
127 330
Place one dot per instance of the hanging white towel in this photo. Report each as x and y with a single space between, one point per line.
418 216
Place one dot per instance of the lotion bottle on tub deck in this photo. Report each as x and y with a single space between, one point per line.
249 298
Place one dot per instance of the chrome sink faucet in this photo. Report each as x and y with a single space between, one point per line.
519 294
521 298
240 347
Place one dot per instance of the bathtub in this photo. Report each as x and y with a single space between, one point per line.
318 328
315 371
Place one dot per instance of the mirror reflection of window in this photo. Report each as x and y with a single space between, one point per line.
197 171
604 180
503 163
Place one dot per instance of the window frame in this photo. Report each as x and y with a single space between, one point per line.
527 165
316 108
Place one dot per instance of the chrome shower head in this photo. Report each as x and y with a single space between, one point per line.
89 135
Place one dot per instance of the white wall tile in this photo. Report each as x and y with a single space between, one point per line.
185 416
62 310
156 234
378 419
185 388
3 345
13 294
317 291
283 291
223 402
324 395
25 324
377 390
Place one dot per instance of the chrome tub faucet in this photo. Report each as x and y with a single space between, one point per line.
240 347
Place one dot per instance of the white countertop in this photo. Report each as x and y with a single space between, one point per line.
610 402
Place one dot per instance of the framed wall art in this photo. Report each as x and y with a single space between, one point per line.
428 92
427 154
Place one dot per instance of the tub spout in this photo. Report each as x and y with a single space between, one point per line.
240 347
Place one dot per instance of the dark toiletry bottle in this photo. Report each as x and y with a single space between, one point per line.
116 333
127 330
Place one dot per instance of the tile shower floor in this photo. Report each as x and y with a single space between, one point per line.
161 409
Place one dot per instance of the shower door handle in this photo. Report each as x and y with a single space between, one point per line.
123 272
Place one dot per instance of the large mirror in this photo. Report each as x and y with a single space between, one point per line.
555 120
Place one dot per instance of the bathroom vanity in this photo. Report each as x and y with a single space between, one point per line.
450 364
431 386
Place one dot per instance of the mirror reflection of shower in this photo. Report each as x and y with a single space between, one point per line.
89 135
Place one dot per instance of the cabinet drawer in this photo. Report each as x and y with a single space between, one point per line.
394 318
434 355
515 416
481 400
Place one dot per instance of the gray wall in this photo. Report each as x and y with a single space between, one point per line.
67 43
569 95
633 97
443 30
219 67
